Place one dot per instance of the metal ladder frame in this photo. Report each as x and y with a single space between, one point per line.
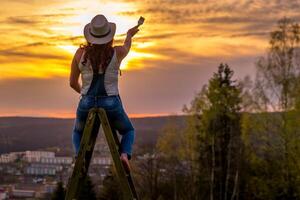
83 160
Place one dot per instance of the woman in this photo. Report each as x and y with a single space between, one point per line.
98 63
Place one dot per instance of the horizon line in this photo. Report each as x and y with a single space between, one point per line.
134 116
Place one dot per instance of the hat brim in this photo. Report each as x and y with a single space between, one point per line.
99 40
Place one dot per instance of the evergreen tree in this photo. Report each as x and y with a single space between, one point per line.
216 121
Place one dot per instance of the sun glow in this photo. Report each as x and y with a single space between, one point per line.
134 59
69 48
111 10
77 21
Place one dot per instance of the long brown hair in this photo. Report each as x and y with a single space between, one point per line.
98 54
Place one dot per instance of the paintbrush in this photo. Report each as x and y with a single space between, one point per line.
141 21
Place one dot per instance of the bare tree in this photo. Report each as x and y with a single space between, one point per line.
277 89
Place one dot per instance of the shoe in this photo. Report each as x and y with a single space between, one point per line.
125 161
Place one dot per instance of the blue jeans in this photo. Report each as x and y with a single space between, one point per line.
116 115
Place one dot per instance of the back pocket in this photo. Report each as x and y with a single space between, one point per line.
86 103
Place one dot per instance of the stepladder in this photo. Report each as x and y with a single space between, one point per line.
88 140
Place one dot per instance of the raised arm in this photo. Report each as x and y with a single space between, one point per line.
75 72
122 51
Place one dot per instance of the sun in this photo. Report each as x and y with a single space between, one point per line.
134 59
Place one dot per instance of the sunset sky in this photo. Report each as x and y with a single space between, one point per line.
176 51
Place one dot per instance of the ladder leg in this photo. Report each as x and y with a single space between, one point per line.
127 186
82 163
129 177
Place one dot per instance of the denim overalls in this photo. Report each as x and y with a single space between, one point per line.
118 119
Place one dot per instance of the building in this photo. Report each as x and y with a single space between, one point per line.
101 161
3 194
56 160
42 169
8 158
35 156
31 170
22 193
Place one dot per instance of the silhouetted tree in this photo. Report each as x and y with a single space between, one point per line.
59 193
87 191
149 173
111 188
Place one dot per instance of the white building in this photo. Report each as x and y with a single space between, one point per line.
8 158
3 194
42 169
101 161
56 160
22 193
35 156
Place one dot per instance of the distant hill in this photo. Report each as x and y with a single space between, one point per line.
35 133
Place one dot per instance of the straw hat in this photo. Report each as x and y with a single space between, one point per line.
99 30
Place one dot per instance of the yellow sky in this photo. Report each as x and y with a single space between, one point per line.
47 39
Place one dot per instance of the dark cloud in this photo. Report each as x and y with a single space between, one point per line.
22 53
196 34
33 20
231 20
19 20
255 33
54 40
159 36
26 55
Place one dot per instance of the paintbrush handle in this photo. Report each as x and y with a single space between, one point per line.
141 21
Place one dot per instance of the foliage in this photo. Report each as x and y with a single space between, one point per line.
272 138
59 193
150 176
111 188
87 192
215 120
176 150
